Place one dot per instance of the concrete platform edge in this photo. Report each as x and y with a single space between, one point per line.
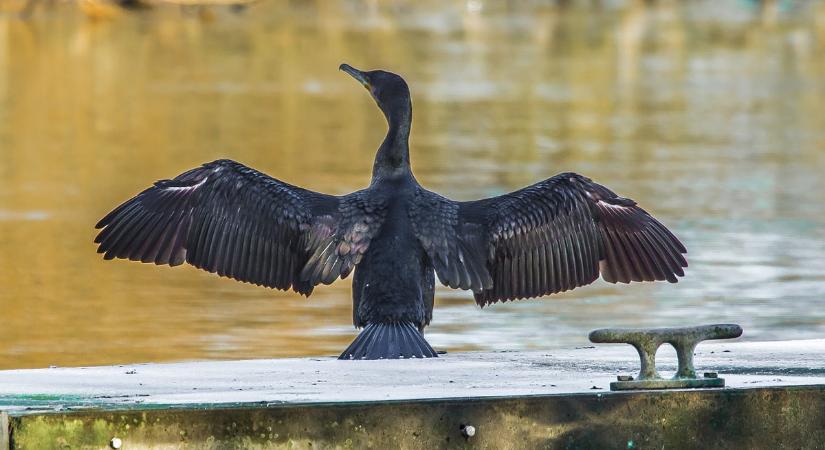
4 430
766 417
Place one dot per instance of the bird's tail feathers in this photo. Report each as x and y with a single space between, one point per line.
389 341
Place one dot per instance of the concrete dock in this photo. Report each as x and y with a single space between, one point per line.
775 398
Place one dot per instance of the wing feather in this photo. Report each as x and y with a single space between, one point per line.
550 237
226 218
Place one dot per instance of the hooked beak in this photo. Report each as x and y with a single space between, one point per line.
355 73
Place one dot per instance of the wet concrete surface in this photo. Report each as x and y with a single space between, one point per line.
327 380
775 398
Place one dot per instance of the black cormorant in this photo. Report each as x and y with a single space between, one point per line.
553 236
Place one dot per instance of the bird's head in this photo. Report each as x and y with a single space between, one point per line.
389 90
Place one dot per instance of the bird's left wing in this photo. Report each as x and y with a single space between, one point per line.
553 236
229 219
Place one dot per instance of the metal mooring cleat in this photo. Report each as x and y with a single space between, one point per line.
684 340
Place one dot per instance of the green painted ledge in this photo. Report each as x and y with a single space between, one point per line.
760 418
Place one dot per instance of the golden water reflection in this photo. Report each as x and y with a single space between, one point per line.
708 113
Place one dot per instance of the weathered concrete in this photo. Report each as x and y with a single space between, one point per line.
4 430
771 418
775 399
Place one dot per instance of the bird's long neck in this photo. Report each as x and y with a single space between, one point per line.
393 157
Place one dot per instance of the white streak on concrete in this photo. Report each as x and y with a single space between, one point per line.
458 375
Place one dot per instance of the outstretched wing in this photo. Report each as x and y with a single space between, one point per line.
550 237
226 218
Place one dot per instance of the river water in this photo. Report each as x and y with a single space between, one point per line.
711 114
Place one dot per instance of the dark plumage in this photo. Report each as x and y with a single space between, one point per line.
553 236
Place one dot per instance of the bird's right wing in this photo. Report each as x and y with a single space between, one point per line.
555 235
229 219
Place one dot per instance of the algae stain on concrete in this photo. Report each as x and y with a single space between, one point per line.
755 418
41 433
